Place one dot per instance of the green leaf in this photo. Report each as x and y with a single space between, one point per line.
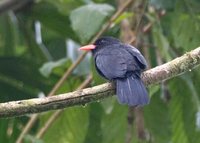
114 124
73 53
9 129
94 132
195 76
54 43
176 113
153 89
33 50
8 35
162 4
71 126
161 42
183 111
66 6
123 16
188 6
20 79
185 30
3 128
157 119
32 139
87 20
48 67
52 19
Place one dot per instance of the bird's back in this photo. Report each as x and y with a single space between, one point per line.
115 61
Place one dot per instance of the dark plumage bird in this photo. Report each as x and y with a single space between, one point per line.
122 63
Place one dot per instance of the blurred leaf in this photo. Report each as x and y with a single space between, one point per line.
3 129
183 118
192 113
153 89
20 79
176 112
87 20
198 120
163 4
71 126
32 139
195 77
157 119
161 42
51 18
94 132
188 6
65 6
55 43
114 124
73 53
33 50
8 35
108 105
71 84
185 31
123 16
48 67
9 130
181 26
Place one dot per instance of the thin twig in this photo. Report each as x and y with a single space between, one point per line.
73 66
130 119
166 71
139 123
86 82
56 114
140 17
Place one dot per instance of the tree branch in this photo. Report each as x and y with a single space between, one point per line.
56 114
166 71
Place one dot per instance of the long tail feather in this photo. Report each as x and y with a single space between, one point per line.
132 91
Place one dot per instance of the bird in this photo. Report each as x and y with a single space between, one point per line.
123 64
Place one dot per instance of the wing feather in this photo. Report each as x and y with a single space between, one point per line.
119 61
139 57
111 65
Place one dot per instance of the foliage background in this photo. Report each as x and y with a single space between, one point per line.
39 42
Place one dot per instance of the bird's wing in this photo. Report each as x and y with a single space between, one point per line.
139 57
111 65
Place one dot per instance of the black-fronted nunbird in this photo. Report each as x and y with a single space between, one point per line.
122 63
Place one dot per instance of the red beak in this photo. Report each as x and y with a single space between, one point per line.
88 47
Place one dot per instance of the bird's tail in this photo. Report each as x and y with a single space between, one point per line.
131 91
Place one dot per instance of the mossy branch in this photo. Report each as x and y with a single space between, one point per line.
155 75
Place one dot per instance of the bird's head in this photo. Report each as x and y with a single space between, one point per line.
100 43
